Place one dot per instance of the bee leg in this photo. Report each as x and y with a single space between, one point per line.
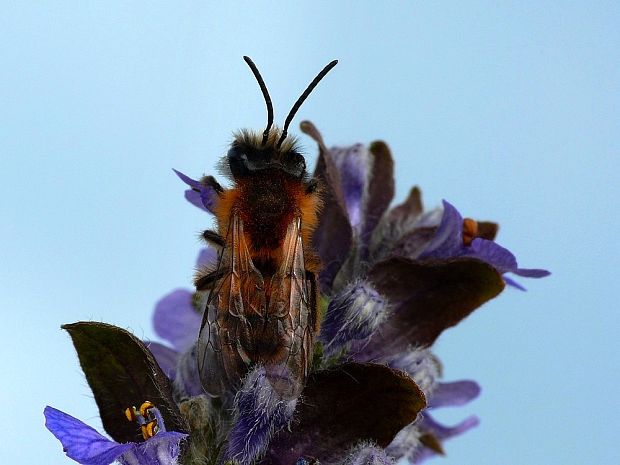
210 181
213 238
206 281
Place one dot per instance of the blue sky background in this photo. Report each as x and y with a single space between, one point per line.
511 112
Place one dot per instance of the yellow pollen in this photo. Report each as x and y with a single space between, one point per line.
470 230
130 413
149 430
146 405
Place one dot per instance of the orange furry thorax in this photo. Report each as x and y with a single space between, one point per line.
267 202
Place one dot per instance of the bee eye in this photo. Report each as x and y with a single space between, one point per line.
245 160
238 161
296 164
235 153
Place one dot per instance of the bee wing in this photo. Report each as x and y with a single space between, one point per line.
237 292
292 301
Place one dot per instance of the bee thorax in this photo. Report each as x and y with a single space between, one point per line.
268 204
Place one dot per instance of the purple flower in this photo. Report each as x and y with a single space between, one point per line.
392 281
87 447
359 187
432 433
374 314
201 194
424 437
397 278
448 242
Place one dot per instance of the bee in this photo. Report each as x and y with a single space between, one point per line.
261 307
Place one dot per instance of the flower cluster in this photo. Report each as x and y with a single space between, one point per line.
392 280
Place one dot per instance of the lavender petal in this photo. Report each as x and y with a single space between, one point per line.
166 358
195 199
81 442
200 195
187 180
448 239
492 253
176 320
206 258
513 283
531 272
454 394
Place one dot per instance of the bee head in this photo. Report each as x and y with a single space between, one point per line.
273 149
248 155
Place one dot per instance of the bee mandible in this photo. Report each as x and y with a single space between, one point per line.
261 307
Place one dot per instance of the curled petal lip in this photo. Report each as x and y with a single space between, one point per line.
428 423
441 432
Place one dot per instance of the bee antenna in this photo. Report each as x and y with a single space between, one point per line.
263 88
302 98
